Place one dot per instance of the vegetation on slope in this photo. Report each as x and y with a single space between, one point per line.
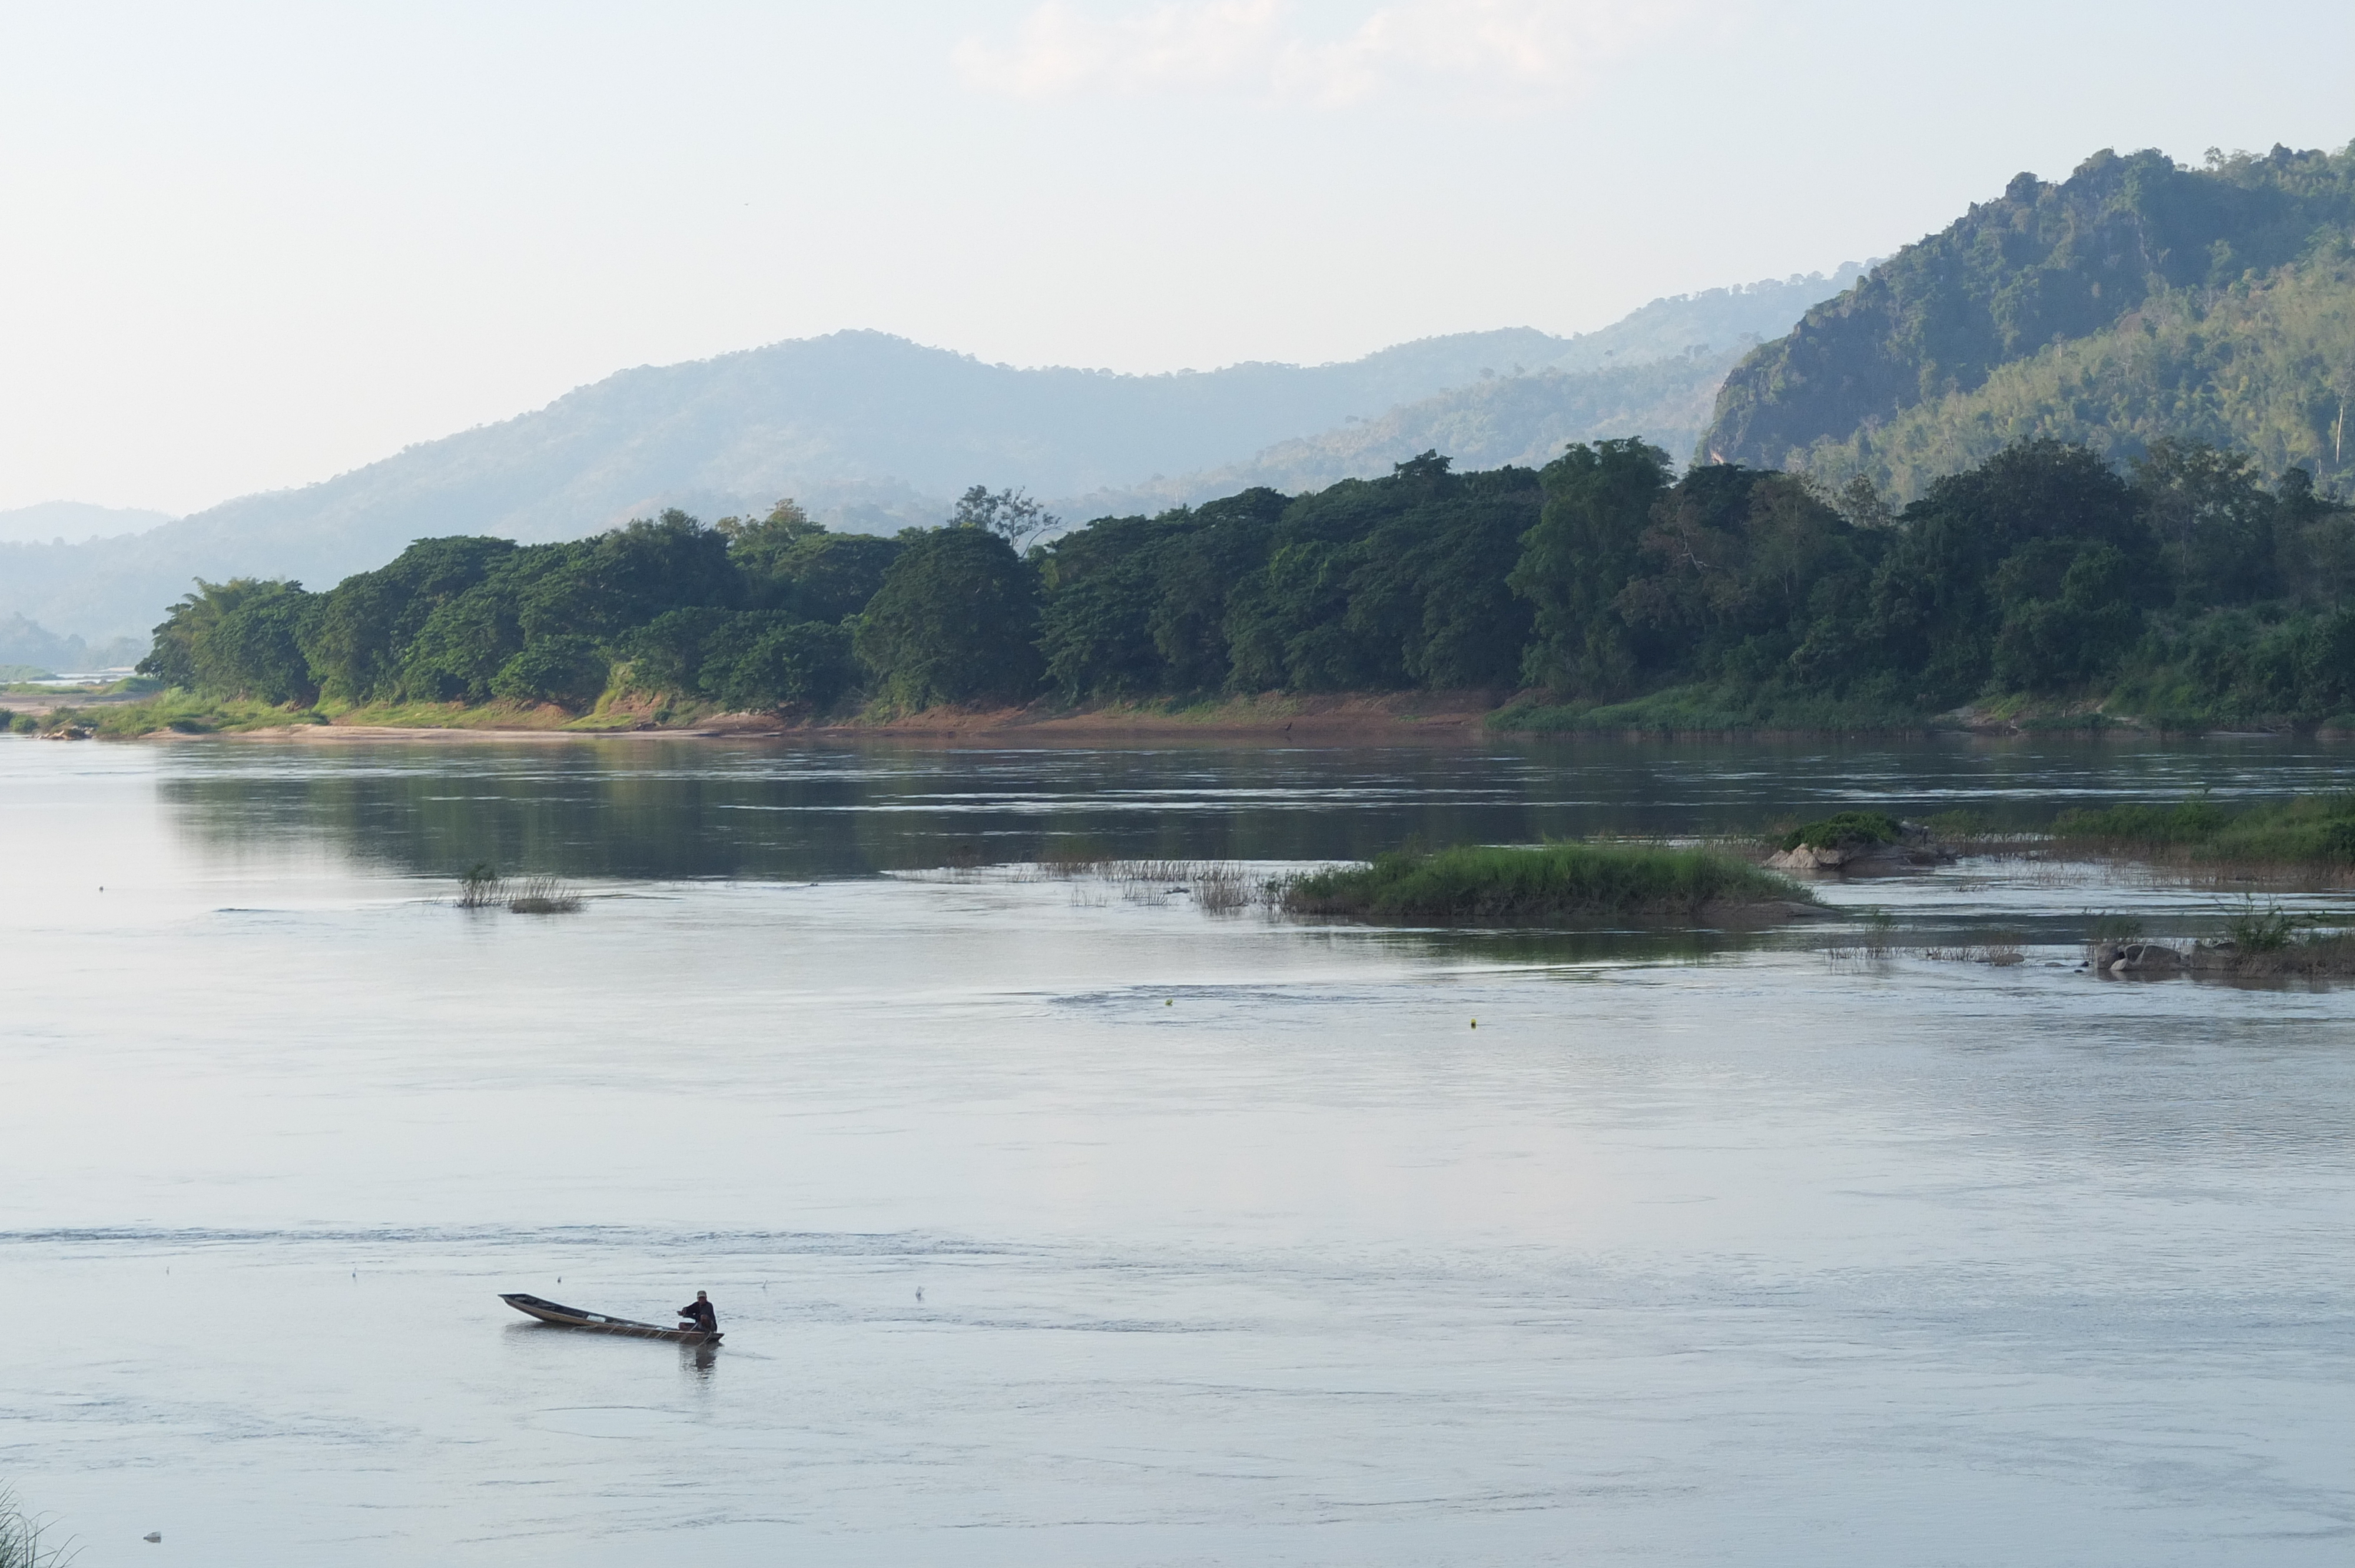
2044 264
1554 882
2265 367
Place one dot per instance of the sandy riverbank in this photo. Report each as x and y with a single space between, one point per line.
1410 716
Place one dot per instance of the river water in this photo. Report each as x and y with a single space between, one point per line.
1064 1221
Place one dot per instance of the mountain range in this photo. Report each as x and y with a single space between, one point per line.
72 521
872 432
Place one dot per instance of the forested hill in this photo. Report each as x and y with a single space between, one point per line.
2136 300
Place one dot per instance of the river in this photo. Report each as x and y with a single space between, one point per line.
1064 1221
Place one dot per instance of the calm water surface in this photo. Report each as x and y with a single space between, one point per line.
1236 1241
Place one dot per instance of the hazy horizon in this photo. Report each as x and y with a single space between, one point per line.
36 521
271 243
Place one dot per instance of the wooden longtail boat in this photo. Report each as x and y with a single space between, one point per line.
598 1323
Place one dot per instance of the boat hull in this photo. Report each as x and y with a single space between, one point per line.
565 1317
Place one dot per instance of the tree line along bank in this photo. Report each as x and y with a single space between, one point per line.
2188 584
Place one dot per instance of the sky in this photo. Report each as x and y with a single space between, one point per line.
249 246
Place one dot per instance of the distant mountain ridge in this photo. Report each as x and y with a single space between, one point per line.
2139 298
1523 420
871 432
74 521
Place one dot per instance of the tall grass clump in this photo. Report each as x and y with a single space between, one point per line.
544 896
480 887
2267 930
1216 887
20 1538
1551 882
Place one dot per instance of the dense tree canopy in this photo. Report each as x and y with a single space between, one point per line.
2188 581
956 622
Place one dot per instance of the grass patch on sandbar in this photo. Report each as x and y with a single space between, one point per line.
1574 881
2305 829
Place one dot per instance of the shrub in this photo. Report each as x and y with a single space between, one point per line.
1846 829
544 896
2267 930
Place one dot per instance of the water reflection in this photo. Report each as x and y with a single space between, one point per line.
639 809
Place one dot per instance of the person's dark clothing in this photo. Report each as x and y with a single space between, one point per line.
705 1317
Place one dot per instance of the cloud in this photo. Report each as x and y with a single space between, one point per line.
1499 52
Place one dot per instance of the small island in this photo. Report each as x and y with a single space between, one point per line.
1578 882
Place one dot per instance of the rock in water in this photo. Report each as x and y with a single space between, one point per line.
1914 847
2136 958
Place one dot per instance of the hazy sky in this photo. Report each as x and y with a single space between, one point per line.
248 246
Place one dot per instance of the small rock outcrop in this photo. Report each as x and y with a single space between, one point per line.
2138 959
1859 843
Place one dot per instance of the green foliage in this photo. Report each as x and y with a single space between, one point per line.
1387 584
2123 244
761 550
788 562
2266 365
1585 549
2106 929
2269 929
1136 606
2305 829
236 639
480 888
1556 882
467 620
755 662
21 1538
1728 599
1010 514
1369 585
176 709
553 668
956 622
358 642
1844 829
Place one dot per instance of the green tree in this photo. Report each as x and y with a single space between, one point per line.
759 548
238 638
1010 514
824 576
1978 548
2212 517
567 671
1585 549
359 638
956 621
757 660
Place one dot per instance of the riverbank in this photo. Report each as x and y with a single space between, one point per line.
1683 712
1327 717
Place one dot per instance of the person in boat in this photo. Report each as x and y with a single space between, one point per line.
700 1314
